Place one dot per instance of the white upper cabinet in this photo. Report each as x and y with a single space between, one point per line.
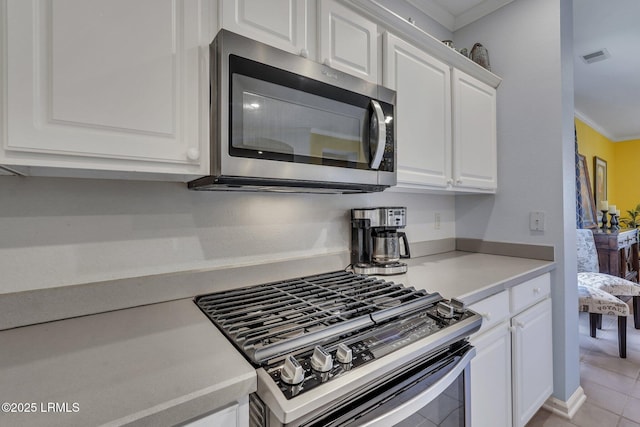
423 113
120 88
474 133
446 122
279 23
107 86
347 41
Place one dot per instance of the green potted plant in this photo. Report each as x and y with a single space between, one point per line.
633 220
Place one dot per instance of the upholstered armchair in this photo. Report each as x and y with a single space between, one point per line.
589 274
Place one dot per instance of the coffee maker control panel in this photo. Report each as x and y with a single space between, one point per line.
396 217
392 217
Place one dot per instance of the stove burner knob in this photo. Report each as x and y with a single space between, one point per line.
321 360
292 372
344 354
444 310
458 307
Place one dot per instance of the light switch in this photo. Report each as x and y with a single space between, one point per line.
536 221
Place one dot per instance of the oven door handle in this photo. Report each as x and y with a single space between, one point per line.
412 406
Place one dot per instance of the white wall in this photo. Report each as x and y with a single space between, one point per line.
58 232
530 47
422 21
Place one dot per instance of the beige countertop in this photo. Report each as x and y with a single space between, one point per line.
155 365
470 277
164 363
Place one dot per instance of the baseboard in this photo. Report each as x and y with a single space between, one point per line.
566 409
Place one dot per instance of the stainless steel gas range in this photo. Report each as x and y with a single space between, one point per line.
348 349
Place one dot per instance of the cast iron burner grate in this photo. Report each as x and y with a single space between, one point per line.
268 320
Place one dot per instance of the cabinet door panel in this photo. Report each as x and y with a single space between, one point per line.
348 41
532 361
491 378
474 135
234 415
279 23
106 80
102 60
423 104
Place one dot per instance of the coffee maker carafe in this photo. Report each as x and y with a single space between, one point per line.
376 242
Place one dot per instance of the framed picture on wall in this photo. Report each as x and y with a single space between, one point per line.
589 219
599 180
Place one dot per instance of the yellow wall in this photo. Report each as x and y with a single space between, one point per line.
623 165
625 174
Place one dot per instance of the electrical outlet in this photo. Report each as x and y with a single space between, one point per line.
436 221
536 221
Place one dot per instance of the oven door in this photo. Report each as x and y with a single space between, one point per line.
435 393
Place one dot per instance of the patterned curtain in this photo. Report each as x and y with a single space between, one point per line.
579 212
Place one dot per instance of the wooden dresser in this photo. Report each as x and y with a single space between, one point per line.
618 252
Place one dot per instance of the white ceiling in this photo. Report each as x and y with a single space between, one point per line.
607 93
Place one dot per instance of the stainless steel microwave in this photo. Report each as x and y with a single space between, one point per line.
282 122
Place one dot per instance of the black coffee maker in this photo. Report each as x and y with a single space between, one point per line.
375 240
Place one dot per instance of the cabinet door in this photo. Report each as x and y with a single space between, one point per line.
235 415
279 23
347 41
107 85
474 133
532 360
491 378
423 106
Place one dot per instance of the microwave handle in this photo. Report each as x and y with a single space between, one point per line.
381 135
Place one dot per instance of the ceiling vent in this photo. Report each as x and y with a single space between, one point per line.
598 55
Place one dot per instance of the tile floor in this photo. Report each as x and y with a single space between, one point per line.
612 385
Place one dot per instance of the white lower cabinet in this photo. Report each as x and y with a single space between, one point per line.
234 415
512 373
532 361
491 378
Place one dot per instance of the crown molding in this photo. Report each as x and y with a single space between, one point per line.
593 125
454 22
602 131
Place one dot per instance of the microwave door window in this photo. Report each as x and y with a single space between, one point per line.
276 122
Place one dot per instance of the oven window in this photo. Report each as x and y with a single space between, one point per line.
446 410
